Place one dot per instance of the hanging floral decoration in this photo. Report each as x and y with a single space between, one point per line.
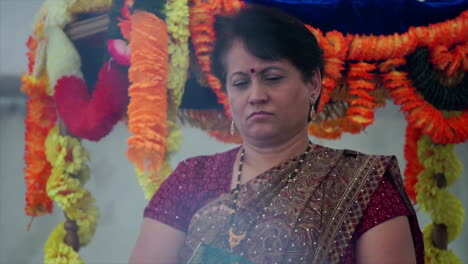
156 92
430 83
65 187
54 167
89 116
423 70
40 118
93 116
435 255
177 20
203 35
335 47
361 103
443 129
441 169
147 110
57 251
413 166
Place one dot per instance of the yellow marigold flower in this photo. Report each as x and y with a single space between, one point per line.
434 255
56 251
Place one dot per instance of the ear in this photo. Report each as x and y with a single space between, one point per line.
314 84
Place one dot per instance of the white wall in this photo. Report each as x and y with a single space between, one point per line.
113 183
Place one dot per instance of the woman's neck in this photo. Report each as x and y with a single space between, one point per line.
260 158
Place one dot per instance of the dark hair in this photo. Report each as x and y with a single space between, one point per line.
268 34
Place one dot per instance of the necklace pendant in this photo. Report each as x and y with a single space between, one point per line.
235 240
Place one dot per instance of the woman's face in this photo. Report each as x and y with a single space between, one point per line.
269 99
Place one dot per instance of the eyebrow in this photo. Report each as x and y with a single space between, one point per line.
273 67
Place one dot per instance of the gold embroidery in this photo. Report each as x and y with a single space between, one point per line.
234 240
290 219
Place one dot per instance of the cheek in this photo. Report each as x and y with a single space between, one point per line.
236 104
295 103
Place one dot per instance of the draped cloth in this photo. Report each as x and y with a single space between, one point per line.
309 220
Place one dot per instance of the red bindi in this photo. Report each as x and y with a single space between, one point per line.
252 70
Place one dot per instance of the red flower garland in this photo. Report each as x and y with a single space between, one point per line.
93 117
335 47
413 166
422 115
362 105
202 30
40 118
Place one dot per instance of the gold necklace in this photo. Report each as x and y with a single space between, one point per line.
236 239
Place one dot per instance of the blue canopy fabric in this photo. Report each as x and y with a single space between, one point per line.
368 16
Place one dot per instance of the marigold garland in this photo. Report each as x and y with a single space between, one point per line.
33 44
94 6
203 34
413 166
434 198
420 114
445 33
450 60
48 48
39 120
150 181
335 47
147 110
434 255
177 20
56 251
427 82
361 82
65 186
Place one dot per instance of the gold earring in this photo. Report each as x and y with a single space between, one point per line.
232 127
313 115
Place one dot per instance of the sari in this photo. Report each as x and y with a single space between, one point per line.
309 220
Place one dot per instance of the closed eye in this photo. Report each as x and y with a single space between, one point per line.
274 78
240 83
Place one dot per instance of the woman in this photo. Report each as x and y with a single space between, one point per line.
278 198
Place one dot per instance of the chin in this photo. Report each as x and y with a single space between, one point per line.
262 133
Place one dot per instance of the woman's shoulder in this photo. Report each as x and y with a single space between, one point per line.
202 164
203 160
352 153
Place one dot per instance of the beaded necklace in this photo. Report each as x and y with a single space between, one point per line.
235 239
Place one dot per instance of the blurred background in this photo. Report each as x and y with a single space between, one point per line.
113 182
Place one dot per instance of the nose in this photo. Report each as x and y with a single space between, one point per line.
258 94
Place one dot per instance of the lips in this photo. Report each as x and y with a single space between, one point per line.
259 113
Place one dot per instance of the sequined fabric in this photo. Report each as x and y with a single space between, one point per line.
336 197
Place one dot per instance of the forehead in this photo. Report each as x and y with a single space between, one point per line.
239 59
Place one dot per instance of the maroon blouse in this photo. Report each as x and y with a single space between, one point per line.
199 180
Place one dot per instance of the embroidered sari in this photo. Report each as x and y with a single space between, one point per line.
309 220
